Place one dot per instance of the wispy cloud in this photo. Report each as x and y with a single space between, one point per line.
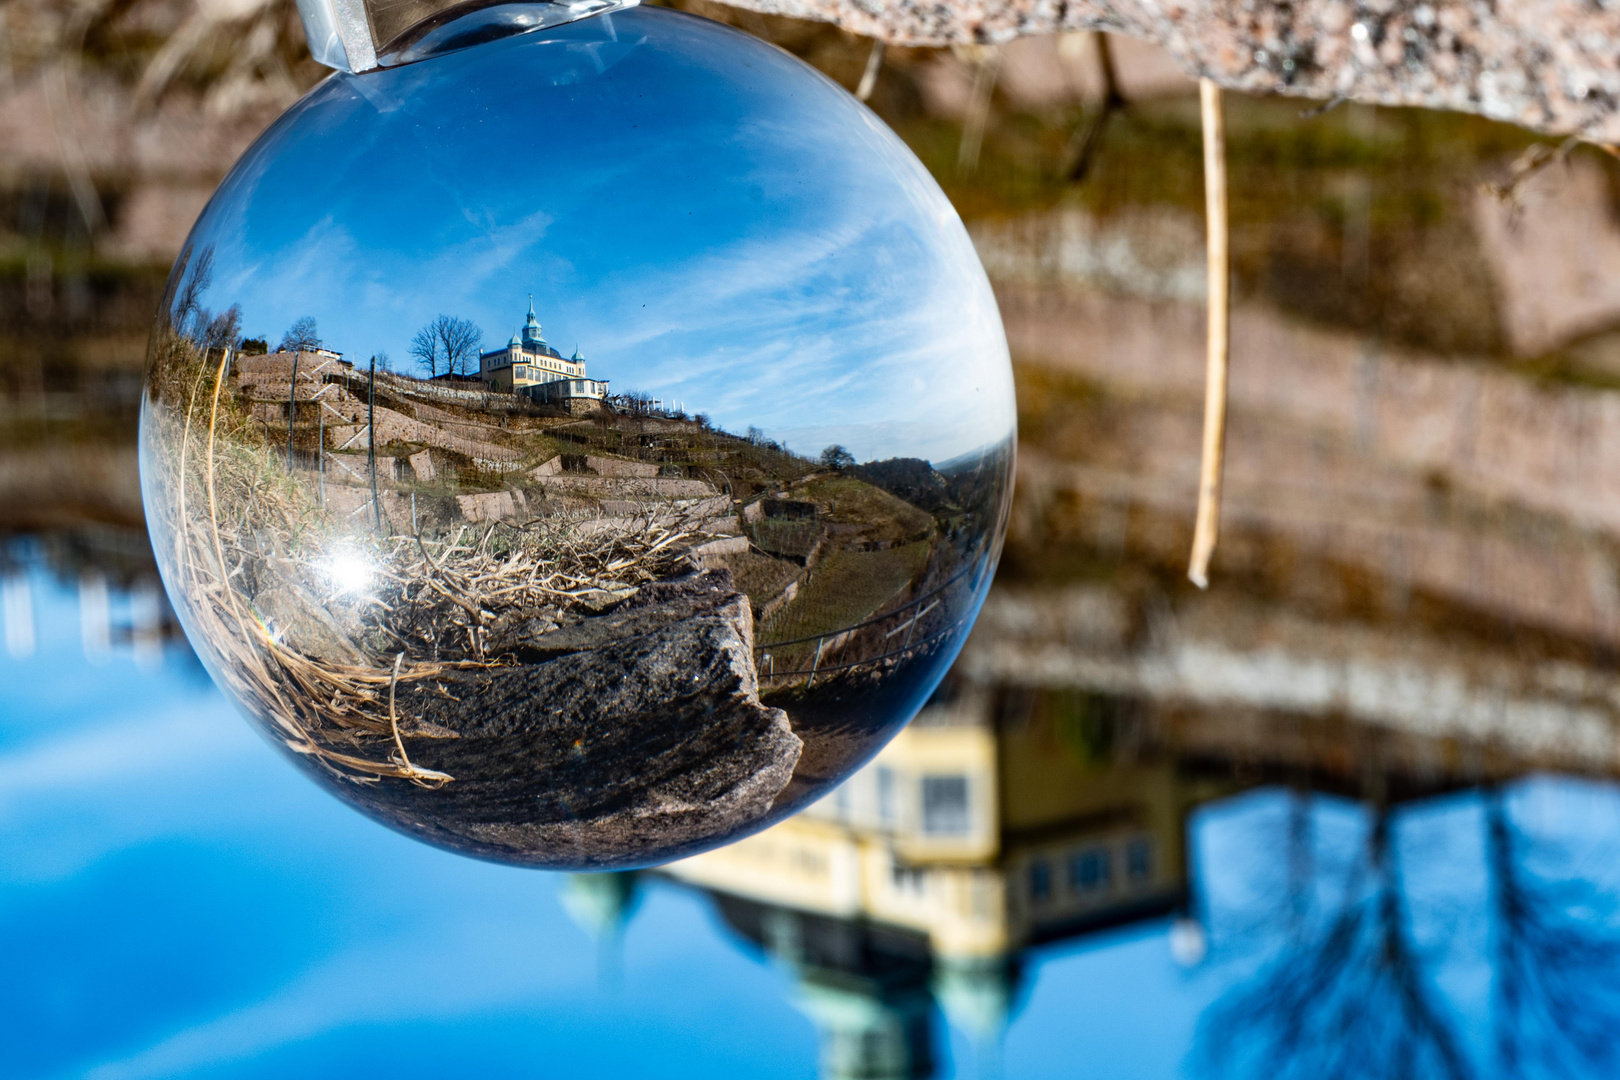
745 239
176 740
890 336
381 981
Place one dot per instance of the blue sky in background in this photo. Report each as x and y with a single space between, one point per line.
177 901
706 218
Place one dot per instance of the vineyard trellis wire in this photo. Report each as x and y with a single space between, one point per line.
765 653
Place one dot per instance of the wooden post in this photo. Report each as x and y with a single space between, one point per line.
1089 137
371 444
292 405
985 73
1207 528
815 665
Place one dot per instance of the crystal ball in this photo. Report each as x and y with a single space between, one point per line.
582 448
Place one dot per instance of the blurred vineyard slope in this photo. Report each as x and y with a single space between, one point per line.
116 121
1425 447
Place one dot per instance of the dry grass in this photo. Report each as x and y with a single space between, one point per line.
239 524
881 516
761 577
846 588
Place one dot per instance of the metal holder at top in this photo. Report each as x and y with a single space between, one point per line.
362 35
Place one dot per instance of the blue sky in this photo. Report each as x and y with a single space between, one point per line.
177 901
706 218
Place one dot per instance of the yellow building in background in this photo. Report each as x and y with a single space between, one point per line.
986 827
984 837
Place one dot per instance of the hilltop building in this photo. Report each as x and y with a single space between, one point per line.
532 368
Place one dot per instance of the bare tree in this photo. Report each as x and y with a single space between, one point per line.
184 310
1349 1002
1557 988
301 337
1301 848
425 348
223 329
191 279
448 346
462 343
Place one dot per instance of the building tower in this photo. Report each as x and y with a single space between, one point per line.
528 366
533 339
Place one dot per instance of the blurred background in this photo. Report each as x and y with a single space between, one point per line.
1350 813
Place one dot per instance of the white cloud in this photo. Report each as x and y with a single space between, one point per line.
907 358
444 970
175 740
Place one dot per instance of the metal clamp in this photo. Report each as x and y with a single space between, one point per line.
362 35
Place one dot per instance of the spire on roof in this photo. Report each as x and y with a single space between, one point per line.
532 337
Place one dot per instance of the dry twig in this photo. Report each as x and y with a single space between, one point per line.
1207 528
1532 161
869 77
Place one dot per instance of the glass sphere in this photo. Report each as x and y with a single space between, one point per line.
581 448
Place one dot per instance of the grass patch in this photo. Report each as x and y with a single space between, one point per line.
882 517
761 577
845 588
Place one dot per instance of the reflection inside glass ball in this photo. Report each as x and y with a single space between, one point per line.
601 603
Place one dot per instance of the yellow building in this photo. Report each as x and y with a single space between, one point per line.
987 826
986 838
529 366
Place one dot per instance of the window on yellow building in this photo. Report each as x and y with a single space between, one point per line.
1090 870
1040 881
945 805
1139 861
842 805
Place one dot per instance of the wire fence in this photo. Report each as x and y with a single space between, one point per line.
819 668
830 644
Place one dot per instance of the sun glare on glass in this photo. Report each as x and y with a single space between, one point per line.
350 572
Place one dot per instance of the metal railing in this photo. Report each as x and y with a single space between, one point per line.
874 620
817 668
766 659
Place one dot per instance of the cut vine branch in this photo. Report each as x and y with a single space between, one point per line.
1207 529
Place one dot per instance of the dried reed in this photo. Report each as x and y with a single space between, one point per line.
262 524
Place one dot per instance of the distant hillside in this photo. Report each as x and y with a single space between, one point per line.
963 483
911 479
